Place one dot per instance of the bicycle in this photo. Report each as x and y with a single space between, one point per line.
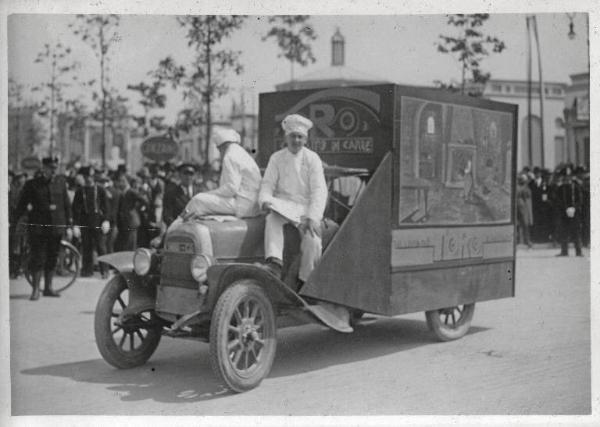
67 269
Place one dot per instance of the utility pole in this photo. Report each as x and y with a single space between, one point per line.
529 132
541 86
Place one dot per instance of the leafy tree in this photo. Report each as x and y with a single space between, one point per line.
293 34
61 68
151 98
203 81
100 32
469 48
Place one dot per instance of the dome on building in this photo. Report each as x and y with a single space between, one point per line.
336 75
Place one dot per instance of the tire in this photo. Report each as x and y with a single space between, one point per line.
71 264
242 336
450 323
136 332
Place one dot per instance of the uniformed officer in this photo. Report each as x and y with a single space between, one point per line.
178 194
569 206
49 215
90 213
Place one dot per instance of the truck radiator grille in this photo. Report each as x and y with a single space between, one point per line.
175 265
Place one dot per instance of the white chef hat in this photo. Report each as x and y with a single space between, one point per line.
296 123
222 135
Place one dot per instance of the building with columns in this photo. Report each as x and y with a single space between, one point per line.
577 121
550 130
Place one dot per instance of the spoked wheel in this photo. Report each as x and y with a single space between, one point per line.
242 336
67 269
450 323
124 341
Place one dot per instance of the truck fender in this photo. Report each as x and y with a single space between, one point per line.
142 297
222 275
122 261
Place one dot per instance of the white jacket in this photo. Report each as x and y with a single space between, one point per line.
240 175
296 178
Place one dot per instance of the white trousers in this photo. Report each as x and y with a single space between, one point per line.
310 248
211 204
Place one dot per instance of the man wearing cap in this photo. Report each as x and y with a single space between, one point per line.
50 213
90 213
294 190
239 182
178 194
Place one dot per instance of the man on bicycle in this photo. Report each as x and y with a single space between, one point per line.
48 206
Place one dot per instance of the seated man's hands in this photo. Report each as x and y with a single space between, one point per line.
311 226
267 206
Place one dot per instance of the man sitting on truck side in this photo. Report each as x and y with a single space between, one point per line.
294 190
239 183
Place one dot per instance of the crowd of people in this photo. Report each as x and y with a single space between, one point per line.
554 207
112 211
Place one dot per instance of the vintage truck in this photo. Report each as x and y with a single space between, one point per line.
421 218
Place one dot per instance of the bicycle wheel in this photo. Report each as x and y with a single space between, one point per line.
69 264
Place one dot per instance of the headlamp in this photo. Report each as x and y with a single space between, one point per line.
142 260
199 266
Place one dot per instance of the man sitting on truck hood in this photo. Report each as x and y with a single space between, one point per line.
239 183
294 190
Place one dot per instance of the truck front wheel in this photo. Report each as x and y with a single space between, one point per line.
243 336
124 342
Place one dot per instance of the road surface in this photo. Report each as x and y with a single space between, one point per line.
525 355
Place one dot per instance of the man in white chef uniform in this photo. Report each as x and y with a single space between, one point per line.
294 190
239 182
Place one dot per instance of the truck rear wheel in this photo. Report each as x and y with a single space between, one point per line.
123 342
450 323
243 336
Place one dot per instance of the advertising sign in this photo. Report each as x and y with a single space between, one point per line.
347 123
159 148
31 163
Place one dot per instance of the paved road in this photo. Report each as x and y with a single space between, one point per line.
524 355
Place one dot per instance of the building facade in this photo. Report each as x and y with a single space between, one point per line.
548 138
577 121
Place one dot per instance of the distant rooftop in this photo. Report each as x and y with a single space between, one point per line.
337 74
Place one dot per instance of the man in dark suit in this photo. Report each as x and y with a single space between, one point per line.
569 208
131 204
90 213
178 194
46 198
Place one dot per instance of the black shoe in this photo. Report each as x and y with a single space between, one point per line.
50 293
273 266
561 254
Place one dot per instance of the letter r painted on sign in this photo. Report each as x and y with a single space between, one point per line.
323 115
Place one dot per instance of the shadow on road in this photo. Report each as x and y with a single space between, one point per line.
188 377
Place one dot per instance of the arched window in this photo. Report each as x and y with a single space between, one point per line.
430 125
493 130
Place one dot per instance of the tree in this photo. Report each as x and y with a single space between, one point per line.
151 98
470 47
25 132
57 58
100 33
203 81
293 34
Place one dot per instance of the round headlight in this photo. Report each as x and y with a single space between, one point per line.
142 260
199 266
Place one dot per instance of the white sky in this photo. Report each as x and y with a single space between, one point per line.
399 48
